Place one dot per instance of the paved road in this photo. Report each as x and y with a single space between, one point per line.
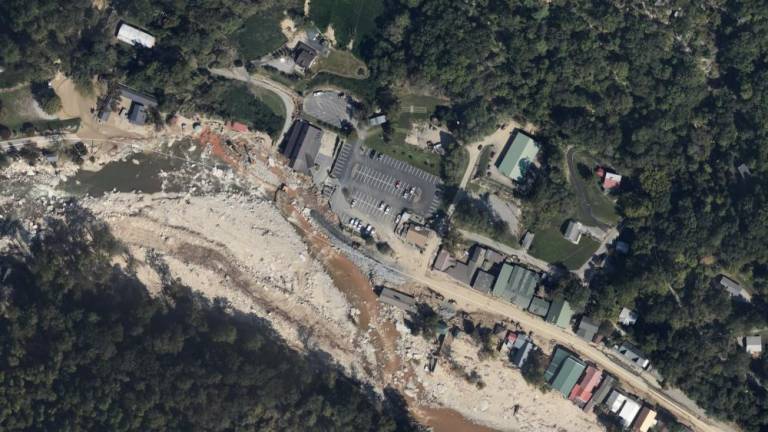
289 98
586 208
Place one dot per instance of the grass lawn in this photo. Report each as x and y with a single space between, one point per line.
549 245
603 207
260 34
399 149
363 89
414 107
342 63
17 110
270 99
352 20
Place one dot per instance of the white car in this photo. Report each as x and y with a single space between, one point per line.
352 204
387 209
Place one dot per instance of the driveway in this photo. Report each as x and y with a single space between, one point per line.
289 98
584 205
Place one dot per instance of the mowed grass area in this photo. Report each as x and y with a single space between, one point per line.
352 20
234 101
415 107
342 63
18 109
550 246
603 207
270 99
399 149
260 34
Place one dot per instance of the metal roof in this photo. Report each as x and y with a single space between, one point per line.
539 306
132 36
560 313
568 375
483 281
515 284
519 153
587 329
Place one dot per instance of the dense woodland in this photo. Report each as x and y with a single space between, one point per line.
674 94
84 347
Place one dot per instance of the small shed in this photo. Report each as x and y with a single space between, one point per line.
753 344
573 232
377 120
627 317
527 240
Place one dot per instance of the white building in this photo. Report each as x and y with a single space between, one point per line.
753 344
627 317
132 36
573 232
629 412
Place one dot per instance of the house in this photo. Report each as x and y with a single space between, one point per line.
539 306
140 104
520 349
600 394
132 36
443 261
587 329
564 371
398 300
744 171
560 313
582 392
301 144
753 345
492 257
377 120
733 288
611 181
573 232
304 56
527 240
645 420
483 281
518 155
622 247
464 271
417 236
623 406
633 354
515 284
627 317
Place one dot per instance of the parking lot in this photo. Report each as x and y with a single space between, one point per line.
329 107
371 180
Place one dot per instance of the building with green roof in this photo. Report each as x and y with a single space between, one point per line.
564 371
560 313
568 375
539 306
516 285
520 152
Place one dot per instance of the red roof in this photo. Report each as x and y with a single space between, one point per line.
611 181
600 171
582 392
238 127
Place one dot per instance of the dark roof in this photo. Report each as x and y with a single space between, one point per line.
104 114
303 55
519 357
137 114
301 145
137 96
587 329
483 281
601 393
398 299
539 306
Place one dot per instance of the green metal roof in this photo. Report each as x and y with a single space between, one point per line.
558 357
515 284
539 306
560 313
568 375
518 154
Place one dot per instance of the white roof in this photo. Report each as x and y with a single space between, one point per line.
615 401
627 316
629 411
132 36
753 344
613 176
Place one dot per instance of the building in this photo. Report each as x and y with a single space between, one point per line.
560 313
464 271
611 181
744 171
753 345
483 281
527 240
515 284
627 317
573 232
601 393
417 236
733 288
587 329
140 104
132 36
520 152
377 120
301 145
564 371
645 420
629 411
520 349
539 306
238 127
622 247
633 354
582 392
304 56
443 261
398 300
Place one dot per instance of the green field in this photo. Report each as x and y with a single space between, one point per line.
550 246
603 207
270 99
233 101
260 34
352 20
399 149
342 63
